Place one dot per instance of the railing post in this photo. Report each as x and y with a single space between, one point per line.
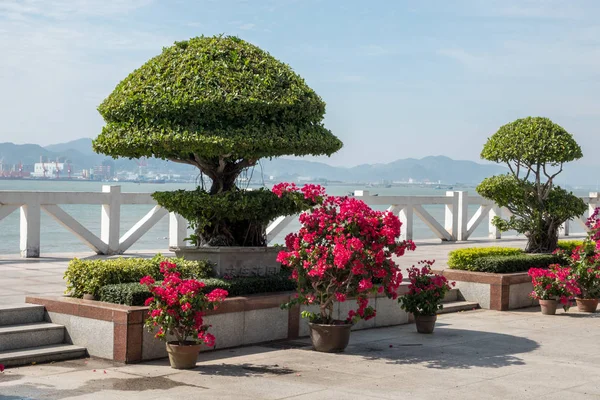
494 232
463 215
564 229
451 215
110 225
593 204
406 217
177 230
30 229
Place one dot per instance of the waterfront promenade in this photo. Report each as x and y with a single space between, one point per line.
44 276
472 355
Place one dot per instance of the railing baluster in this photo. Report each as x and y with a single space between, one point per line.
30 229
110 225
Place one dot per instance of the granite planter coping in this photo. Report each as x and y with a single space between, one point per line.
499 284
228 249
485 277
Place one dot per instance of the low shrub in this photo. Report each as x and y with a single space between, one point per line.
569 245
135 294
464 258
88 276
514 263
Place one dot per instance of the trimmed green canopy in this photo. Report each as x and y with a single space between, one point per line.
214 97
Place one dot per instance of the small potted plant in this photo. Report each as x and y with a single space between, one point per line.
343 250
177 310
551 286
584 262
425 295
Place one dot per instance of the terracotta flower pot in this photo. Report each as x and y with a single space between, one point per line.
330 338
425 323
587 305
183 356
548 306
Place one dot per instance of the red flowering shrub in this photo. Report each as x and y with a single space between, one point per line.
177 307
584 260
553 284
426 291
343 249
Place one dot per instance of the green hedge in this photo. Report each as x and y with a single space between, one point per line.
88 276
569 245
464 258
515 263
134 294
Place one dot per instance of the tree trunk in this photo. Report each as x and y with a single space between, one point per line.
544 241
223 183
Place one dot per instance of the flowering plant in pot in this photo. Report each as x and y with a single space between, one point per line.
584 262
177 310
551 286
343 250
425 295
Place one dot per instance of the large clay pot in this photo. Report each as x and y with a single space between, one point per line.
183 356
548 306
586 305
425 323
330 338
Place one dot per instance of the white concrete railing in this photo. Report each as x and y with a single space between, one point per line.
457 226
110 199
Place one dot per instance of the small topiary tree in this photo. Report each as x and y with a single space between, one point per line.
535 150
219 104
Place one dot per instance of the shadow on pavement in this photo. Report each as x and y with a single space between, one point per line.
450 349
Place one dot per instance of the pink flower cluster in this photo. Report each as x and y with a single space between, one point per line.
554 283
343 249
584 261
178 305
426 290
593 223
314 193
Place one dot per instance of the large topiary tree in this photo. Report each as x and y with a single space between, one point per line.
219 104
535 150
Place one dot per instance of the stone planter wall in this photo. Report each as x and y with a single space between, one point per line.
499 292
116 332
236 261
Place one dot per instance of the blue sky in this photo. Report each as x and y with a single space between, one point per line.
400 78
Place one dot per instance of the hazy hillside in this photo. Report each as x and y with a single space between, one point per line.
433 168
83 146
428 168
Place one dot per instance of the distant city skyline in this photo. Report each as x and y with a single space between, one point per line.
401 78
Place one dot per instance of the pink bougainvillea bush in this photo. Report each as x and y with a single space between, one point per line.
554 283
584 261
426 290
343 250
178 305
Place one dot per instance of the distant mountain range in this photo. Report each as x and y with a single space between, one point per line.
433 168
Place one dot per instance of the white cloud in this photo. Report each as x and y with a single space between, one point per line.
247 27
64 9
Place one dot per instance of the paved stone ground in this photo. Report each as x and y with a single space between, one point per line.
472 355
44 276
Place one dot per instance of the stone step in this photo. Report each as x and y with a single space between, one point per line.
451 295
41 354
456 306
36 334
15 314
